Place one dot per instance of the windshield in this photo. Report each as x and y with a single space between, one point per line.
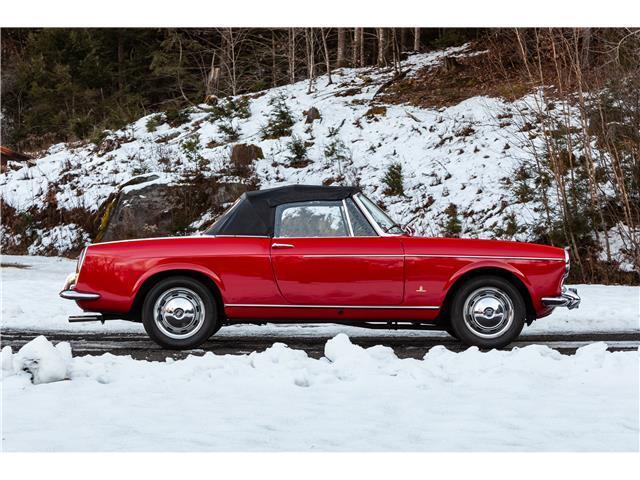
381 218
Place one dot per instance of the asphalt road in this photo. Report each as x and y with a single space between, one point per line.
411 346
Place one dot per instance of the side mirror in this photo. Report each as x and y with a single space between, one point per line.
409 230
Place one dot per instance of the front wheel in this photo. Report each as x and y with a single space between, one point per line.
180 312
488 312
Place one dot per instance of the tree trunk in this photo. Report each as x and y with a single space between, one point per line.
327 59
403 39
341 60
416 39
361 52
291 55
274 81
120 61
382 47
586 44
310 56
355 52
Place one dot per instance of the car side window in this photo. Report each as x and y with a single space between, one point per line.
359 223
311 219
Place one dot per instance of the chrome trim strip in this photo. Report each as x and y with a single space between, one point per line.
346 213
377 307
504 257
73 295
368 216
338 255
321 255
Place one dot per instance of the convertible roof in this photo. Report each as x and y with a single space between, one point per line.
254 212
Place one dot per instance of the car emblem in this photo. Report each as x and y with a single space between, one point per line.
421 290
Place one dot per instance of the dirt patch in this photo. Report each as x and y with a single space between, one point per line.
14 265
455 80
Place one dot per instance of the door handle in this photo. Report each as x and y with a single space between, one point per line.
281 245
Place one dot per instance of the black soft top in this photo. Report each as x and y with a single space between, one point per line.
254 212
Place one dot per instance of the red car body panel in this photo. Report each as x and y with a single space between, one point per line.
345 278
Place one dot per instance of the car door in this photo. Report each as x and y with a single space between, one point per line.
326 253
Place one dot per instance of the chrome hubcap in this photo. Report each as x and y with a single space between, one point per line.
179 313
488 312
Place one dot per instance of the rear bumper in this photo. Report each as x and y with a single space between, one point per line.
73 295
569 298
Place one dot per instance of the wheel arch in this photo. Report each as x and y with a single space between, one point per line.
498 271
146 284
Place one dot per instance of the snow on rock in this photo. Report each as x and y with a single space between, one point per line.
59 239
355 399
46 363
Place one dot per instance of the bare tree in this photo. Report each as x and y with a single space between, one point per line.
327 59
416 39
232 42
382 46
291 54
341 54
309 34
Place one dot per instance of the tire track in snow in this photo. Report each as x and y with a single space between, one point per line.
139 346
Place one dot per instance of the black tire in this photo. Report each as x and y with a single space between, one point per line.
194 327
476 328
449 329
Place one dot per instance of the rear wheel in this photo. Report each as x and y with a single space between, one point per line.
487 312
180 312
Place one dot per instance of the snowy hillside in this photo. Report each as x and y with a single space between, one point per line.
462 155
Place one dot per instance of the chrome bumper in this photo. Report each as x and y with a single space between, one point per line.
569 298
73 295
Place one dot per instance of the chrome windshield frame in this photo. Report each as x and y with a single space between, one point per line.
379 230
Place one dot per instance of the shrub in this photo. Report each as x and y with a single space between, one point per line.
81 126
191 148
393 179
176 117
230 108
230 131
452 226
154 122
280 119
297 149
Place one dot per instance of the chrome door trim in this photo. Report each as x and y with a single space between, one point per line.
377 307
391 255
492 257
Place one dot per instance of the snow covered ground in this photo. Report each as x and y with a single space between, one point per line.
30 301
353 399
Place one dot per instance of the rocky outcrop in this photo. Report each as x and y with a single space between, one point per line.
150 209
312 115
242 157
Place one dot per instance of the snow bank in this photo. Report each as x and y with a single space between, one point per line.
44 362
603 309
354 399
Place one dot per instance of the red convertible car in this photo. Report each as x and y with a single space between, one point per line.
319 254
